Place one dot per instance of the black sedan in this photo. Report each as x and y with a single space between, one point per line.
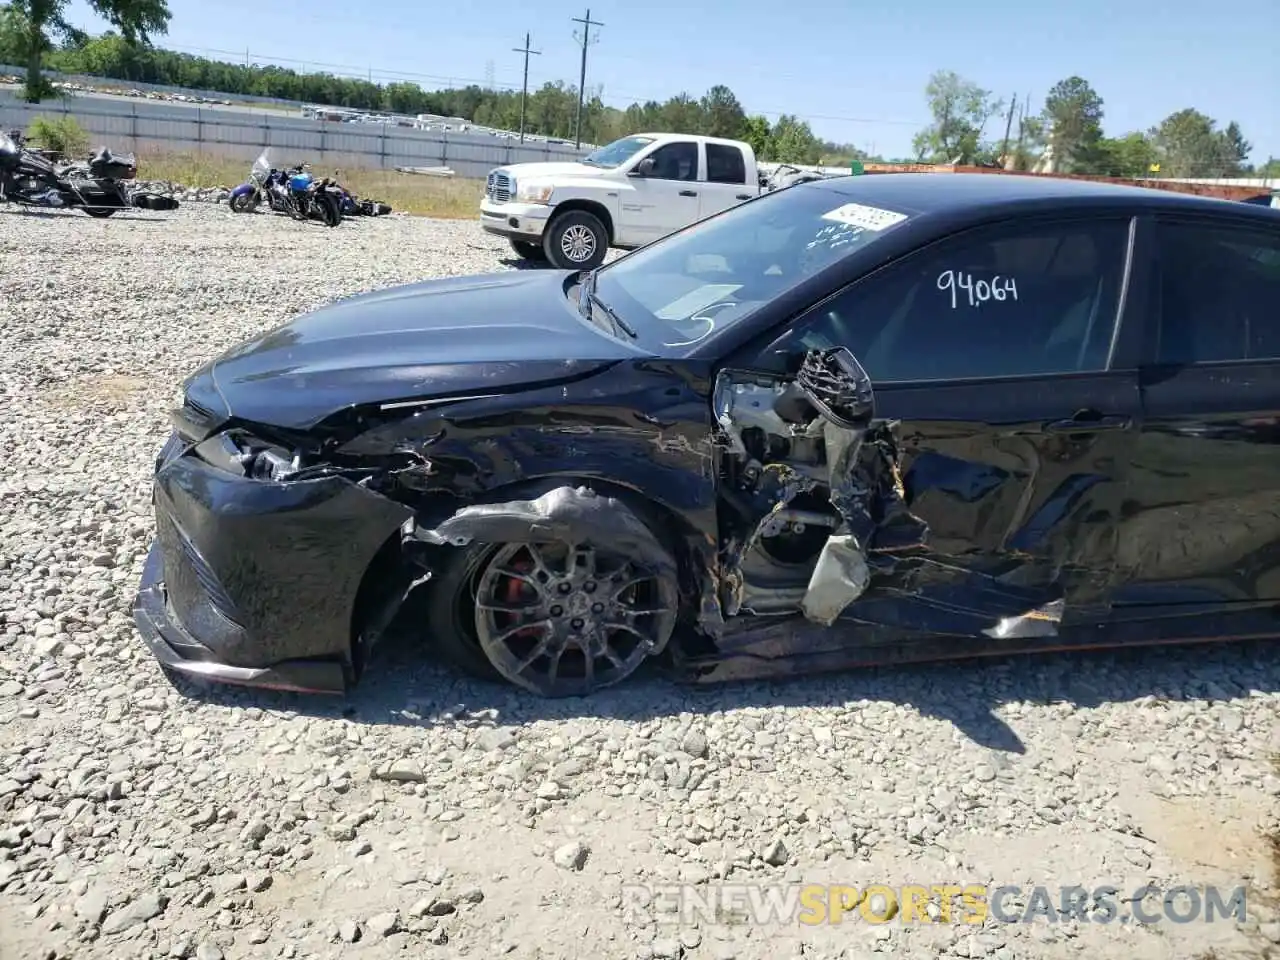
864 420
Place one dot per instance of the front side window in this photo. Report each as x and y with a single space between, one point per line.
675 161
994 302
1219 293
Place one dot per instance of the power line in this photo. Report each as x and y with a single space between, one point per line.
524 89
587 24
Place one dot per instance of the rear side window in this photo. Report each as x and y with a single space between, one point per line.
1219 293
725 164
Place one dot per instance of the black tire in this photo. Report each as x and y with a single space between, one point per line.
450 609
529 251
243 203
576 232
101 213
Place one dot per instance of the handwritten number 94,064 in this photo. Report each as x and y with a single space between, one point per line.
965 291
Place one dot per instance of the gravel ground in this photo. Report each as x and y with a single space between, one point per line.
432 816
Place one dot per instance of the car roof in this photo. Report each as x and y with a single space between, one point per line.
969 193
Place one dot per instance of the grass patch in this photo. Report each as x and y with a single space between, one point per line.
447 198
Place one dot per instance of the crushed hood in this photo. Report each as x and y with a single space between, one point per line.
460 335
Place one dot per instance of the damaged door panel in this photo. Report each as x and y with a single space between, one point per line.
922 509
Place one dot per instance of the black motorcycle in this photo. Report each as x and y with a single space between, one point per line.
99 188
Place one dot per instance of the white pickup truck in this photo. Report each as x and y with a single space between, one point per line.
624 195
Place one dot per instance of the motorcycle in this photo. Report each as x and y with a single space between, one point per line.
99 188
294 191
307 198
246 197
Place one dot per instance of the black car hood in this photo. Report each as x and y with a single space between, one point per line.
462 335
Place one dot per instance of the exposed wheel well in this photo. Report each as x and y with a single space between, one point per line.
598 210
390 569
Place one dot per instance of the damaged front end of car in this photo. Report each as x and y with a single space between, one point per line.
727 518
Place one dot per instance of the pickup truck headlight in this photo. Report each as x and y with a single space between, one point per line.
533 193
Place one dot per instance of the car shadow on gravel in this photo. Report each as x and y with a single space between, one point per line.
518 263
403 685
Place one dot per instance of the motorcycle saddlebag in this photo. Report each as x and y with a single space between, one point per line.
111 167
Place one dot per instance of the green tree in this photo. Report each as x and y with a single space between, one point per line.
33 21
1189 144
794 142
960 111
1073 119
1129 156
758 133
1270 169
723 114
683 114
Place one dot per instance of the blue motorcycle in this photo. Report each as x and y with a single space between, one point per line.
295 192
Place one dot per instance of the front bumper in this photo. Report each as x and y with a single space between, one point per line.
516 221
257 582
177 650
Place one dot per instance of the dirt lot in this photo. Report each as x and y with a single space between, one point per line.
427 815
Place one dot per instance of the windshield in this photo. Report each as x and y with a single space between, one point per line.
6 143
676 292
262 166
618 152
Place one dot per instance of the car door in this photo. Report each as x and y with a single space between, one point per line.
726 180
666 198
995 354
1202 526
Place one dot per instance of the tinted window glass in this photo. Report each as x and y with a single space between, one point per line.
1219 294
675 161
725 164
995 302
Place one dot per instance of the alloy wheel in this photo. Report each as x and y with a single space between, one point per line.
564 620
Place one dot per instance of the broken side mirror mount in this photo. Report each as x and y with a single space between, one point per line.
839 388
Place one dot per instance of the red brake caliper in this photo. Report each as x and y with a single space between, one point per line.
516 592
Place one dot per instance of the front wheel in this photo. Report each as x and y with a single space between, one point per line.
556 619
576 240
529 251
243 203
100 213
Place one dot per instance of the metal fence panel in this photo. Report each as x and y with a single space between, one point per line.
242 133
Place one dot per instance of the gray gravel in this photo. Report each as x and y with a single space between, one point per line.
433 816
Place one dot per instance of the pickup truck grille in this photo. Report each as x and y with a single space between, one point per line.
498 187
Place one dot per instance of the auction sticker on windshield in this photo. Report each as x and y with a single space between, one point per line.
868 218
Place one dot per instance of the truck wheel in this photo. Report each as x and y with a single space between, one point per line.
576 240
529 251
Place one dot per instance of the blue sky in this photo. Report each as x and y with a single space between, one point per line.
856 71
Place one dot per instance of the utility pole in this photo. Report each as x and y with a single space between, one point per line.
587 24
1008 128
524 90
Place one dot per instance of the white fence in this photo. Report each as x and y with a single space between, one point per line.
140 125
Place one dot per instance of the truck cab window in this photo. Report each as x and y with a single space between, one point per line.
725 164
675 161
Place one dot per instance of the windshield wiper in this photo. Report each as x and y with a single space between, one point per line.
589 297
